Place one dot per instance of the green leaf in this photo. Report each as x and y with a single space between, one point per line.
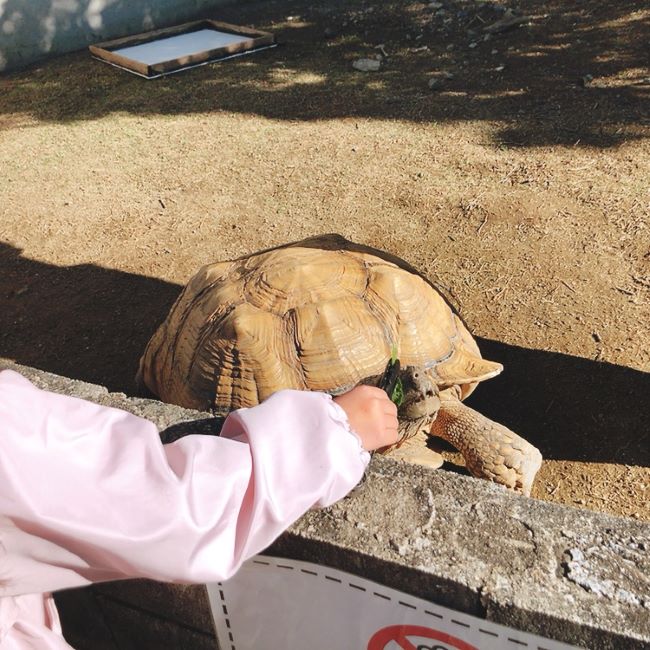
398 393
393 355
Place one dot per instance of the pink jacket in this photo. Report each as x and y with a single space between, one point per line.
89 493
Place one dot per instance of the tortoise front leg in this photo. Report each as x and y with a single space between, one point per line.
491 451
414 449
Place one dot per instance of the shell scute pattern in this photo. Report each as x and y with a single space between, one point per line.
339 343
306 318
278 282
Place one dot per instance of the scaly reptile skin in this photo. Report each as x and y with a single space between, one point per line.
490 450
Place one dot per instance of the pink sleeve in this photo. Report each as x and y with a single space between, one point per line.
89 493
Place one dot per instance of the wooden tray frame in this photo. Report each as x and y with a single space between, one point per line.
105 50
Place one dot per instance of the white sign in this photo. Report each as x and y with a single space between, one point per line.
278 604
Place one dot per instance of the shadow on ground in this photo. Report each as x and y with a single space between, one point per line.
84 322
92 323
571 408
577 73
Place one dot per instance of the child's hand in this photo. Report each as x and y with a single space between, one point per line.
372 416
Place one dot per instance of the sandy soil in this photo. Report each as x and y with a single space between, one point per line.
520 187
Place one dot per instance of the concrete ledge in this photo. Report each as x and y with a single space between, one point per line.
568 574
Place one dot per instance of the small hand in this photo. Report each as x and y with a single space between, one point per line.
372 416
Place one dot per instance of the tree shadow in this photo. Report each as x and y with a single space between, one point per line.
576 74
92 323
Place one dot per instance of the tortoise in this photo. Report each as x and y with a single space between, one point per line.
326 314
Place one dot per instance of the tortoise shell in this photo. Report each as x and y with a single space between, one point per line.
322 314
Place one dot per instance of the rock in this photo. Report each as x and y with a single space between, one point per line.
437 82
382 49
435 5
500 68
366 65
473 44
586 80
508 21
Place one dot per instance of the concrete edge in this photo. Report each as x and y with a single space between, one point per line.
572 575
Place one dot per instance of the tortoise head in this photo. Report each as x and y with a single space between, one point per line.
420 394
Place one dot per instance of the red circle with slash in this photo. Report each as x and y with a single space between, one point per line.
399 634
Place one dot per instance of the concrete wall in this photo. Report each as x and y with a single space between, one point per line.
33 29
568 574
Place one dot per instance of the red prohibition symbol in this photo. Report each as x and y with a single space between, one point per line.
399 634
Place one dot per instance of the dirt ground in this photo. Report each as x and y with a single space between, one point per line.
520 185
